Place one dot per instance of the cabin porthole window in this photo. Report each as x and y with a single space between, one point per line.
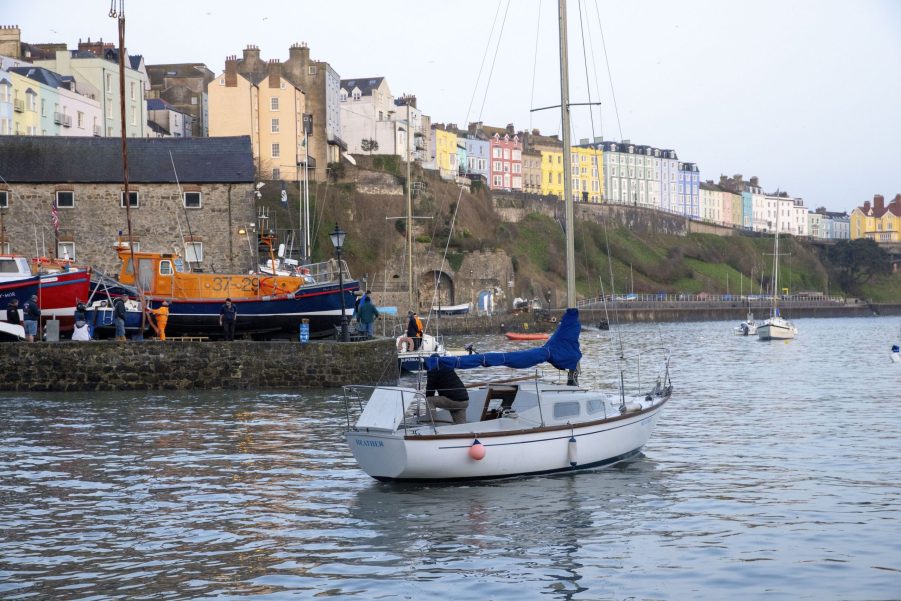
566 409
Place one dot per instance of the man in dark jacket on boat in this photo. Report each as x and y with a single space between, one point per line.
450 392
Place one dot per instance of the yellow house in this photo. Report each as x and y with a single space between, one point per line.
26 121
445 144
877 222
552 173
269 110
588 174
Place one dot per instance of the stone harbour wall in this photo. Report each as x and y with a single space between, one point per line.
183 365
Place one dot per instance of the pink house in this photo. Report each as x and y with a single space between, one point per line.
505 167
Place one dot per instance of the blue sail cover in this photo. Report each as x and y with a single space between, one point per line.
561 350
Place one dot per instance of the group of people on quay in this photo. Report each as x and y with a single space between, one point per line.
31 316
82 331
365 314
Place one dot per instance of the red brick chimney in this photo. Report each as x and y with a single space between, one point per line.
866 208
275 68
231 71
878 203
96 48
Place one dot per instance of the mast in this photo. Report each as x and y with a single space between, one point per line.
409 216
776 262
572 375
567 162
305 203
120 17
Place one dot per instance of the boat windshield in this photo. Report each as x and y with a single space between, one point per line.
179 265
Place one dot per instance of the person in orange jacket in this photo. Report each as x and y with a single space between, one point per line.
162 317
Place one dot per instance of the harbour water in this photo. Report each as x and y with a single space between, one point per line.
774 473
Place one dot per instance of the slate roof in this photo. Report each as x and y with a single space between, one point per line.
158 104
366 84
157 128
45 76
57 159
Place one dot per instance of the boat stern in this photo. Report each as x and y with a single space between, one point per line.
381 455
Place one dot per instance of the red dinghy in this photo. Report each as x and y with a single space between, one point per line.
520 336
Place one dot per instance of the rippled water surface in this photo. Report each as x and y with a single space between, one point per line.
774 473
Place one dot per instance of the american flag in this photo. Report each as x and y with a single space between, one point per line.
54 217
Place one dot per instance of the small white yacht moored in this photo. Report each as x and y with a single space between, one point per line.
513 428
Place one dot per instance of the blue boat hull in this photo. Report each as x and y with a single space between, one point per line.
266 317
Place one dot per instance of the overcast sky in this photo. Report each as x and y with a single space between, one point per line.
805 94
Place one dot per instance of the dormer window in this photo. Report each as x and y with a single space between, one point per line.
357 94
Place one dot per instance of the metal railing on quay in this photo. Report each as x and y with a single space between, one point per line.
763 299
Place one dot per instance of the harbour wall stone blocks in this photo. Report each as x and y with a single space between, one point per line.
186 365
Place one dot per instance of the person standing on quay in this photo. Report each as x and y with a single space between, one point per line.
162 318
228 315
119 318
367 315
12 312
32 314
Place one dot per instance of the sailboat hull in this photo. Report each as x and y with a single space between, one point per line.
431 452
776 329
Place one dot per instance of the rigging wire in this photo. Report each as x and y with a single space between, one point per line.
535 64
587 80
444 256
609 73
184 208
497 48
475 87
594 70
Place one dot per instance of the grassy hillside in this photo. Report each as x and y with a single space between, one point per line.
620 259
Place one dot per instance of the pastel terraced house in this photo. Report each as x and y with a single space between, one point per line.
268 108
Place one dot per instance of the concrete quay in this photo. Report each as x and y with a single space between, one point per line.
187 365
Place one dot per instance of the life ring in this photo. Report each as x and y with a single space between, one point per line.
554 319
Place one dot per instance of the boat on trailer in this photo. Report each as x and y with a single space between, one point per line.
59 287
268 305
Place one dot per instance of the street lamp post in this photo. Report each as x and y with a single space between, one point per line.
337 238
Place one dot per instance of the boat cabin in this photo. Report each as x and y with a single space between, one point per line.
168 275
14 267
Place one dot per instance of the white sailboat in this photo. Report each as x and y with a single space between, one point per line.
525 426
776 327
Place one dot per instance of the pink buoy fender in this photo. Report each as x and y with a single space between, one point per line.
477 450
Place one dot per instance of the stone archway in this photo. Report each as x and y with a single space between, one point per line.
436 288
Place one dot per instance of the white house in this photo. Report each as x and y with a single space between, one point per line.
371 123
